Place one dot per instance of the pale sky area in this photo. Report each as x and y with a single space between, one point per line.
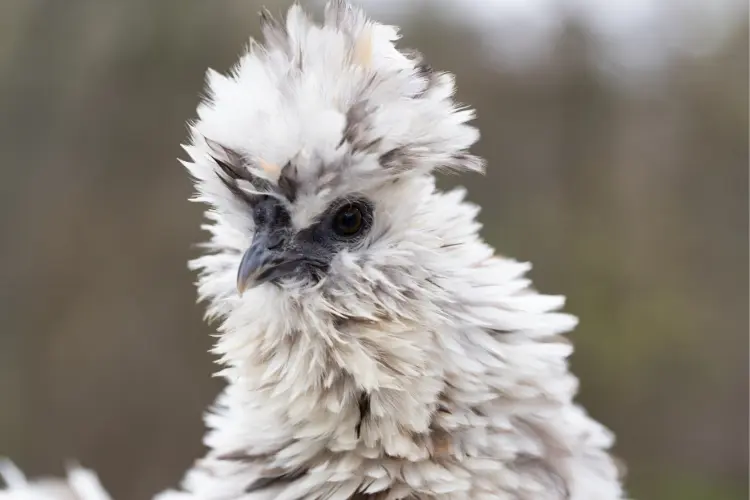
633 34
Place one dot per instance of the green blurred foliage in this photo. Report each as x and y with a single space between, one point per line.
631 200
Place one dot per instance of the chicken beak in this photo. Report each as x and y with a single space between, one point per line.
261 264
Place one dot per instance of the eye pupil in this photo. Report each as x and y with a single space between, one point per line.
348 221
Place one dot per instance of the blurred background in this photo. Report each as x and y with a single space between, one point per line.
617 140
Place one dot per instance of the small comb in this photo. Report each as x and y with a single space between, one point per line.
271 169
363 48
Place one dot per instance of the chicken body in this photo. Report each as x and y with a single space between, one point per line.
374 346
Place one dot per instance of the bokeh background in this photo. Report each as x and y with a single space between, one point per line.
616 133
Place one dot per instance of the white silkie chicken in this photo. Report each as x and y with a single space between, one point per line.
374 346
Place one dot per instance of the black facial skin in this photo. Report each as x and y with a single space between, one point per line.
277 251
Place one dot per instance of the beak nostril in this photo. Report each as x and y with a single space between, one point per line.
274 241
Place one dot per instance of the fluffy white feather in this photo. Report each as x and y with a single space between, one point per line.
420 365
80 484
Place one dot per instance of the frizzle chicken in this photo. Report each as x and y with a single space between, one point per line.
374 346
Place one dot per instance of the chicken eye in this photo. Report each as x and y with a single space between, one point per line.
348 220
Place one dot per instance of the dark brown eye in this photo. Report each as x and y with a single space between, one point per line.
348 220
